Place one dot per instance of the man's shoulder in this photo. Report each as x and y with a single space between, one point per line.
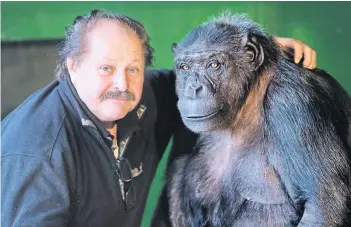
159 81
33 127
152 74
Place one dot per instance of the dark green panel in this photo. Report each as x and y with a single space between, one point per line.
323 25
166 22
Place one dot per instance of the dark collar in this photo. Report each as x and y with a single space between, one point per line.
126 126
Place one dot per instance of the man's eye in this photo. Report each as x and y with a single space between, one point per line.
133 70
106 69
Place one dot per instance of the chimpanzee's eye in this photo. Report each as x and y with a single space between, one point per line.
184 66
214 64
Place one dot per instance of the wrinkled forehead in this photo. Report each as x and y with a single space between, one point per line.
201 55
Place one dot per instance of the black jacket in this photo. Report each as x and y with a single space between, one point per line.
57 167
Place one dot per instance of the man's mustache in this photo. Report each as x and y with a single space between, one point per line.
125 95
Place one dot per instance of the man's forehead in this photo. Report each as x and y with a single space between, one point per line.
107 30
108 24
114 53
133 58
113 42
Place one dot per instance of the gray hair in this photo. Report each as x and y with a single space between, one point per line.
73 43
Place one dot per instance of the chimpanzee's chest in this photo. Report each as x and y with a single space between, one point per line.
257 181
239 191
249 176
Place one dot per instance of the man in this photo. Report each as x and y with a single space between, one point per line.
83 150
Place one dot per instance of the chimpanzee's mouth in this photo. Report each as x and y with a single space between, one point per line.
222 110
202 117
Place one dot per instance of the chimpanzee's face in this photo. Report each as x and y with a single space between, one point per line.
214 67
202 85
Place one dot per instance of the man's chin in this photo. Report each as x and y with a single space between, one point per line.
113 114
112 118
118 116
112 111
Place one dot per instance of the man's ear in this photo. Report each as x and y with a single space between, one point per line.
72 68
253 51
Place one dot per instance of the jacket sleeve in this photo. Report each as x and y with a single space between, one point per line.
34 192
168 118
168 124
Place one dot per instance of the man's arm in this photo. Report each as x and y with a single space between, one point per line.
168 118
34 192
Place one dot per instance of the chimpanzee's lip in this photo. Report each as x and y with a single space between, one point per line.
203 117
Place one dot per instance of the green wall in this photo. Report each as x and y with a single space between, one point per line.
325 26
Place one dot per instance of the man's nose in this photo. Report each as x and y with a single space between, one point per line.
120 81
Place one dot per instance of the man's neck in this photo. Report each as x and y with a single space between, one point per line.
112 129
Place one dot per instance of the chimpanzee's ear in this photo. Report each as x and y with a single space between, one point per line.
253 51
174 47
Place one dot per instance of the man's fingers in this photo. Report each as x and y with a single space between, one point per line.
314 60
307 57
298 51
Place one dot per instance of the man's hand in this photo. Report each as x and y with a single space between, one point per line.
300 50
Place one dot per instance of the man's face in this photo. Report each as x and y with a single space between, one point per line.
113 63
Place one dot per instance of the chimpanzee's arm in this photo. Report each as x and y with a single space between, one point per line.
309 123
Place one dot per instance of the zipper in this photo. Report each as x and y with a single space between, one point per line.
122 147
119 148
124 144
121 151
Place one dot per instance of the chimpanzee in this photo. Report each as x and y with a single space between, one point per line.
274 137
